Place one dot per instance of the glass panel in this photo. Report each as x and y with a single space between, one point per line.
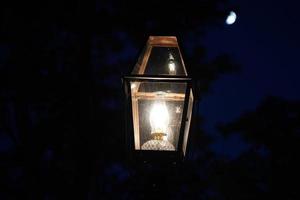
165 61
161 56
157 112
188 121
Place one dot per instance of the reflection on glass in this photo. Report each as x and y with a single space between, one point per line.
171 64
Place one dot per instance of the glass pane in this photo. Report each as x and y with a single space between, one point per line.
165 61
161 56
188 121
157 112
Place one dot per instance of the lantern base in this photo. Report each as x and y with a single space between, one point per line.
158 145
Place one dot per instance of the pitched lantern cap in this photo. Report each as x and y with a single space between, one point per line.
163 41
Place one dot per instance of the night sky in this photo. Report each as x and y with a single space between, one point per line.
62 114
264 40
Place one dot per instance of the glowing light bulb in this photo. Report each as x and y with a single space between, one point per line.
159 121
171 64
159 118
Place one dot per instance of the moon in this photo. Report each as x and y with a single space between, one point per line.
231 18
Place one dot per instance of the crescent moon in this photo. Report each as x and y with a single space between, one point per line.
231 18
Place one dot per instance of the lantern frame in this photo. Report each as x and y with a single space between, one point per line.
155 155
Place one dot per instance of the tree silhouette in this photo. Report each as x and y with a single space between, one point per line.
271 162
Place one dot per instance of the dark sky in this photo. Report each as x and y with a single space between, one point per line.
264 40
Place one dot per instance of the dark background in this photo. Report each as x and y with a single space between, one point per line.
62 130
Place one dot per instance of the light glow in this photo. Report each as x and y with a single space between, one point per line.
159 118
171 64
133 85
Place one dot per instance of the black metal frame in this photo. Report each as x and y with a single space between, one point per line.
148 155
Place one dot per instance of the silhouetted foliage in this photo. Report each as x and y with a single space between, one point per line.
273 133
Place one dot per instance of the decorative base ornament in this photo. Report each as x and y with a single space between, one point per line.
157 143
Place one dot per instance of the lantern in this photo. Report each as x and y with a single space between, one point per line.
159 101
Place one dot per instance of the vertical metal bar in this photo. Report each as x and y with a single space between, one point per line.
184 118
129 121
135 116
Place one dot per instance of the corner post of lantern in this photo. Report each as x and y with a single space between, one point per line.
184 120
159 103
128 112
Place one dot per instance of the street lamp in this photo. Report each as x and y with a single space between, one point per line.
159 102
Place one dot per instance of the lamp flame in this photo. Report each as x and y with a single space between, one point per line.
159 118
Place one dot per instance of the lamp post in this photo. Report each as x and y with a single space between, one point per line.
159 102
